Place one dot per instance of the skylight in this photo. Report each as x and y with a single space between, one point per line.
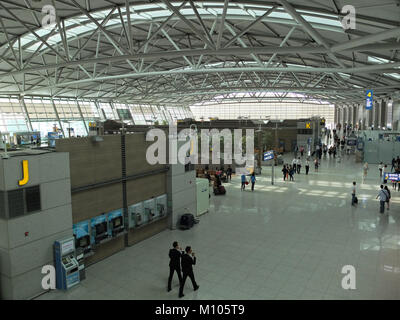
80 25
393 75
378 60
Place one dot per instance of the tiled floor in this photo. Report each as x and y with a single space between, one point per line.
286 241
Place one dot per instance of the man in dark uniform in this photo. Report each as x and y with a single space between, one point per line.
188 260
175 255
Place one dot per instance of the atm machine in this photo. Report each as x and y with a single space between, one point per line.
161 206
67 267
149 209
136 213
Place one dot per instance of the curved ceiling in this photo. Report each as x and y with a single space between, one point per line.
186 52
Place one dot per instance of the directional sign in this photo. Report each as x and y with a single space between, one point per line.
391 176
269 155
370 99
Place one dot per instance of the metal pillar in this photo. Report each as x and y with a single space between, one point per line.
25 109
57 116
82 117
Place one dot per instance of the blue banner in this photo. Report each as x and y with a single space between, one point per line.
370 99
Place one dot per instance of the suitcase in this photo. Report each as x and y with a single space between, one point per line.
187 221
220 190
355 200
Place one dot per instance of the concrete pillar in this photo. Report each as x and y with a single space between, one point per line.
375 115
383 115
181 190
28 230
396 114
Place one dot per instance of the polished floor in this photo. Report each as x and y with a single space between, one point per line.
289 240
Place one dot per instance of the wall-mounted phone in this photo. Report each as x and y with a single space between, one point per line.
136 213
161 206
149 209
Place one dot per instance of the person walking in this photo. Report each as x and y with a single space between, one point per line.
380 167
243 182
382 195
175 255
298 165
294 164
307 166
229 173
316 164
285 172
291 173
353 194
253 180
388 196
393 164
188 261
365 171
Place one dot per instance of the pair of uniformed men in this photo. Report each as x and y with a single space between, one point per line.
185 258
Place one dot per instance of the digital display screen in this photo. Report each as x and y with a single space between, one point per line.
83 242
117 222
101 228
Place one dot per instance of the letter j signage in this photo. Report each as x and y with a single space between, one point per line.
25 173
370 98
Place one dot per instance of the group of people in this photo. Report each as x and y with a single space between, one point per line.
289 170
244 181
185 259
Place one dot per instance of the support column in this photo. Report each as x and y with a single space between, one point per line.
82 117
58 117
383 115
26 113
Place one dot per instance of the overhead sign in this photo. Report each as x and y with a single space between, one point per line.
269 155
308 125
391 176
370 99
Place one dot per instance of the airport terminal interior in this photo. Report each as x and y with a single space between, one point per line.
251 148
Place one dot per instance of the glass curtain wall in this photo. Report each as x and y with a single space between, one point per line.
73 117
263 110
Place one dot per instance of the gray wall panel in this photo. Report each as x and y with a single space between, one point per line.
55 194
35 254
3 234
54 166
39 225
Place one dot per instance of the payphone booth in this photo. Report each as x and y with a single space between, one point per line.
161 206
149 209
136 213
67 267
